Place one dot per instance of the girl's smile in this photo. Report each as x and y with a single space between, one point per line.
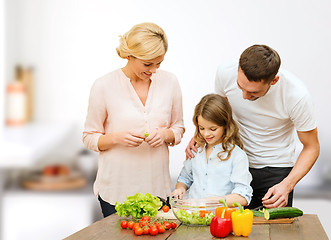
212 133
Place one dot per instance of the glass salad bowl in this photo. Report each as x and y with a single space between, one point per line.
194 212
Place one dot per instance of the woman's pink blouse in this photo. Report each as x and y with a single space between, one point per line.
114 106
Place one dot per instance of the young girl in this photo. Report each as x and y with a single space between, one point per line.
220 168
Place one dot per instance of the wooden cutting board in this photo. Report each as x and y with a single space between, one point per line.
39 182
262 220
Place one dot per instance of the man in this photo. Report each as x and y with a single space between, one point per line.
269 105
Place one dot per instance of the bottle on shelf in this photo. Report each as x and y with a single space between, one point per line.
16 100
20 97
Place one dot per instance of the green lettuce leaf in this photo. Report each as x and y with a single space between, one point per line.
139 205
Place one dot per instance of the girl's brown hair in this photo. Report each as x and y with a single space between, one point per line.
217 109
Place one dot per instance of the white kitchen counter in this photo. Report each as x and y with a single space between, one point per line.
22 146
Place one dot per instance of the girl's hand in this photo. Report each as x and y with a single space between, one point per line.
178 193
157 137
128 139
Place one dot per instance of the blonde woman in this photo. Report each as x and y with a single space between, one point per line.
134 114
220 167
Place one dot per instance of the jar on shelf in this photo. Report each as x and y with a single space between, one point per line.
16 104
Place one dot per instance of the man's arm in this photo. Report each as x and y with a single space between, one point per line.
277 195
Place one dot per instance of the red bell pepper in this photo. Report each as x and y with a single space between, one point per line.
220 226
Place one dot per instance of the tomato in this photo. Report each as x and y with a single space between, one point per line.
146 230
173 225
146 218
161 228
153 231
49 171
138 231
165 208
167 225
130 224
202 213
124 224
144 223
135 226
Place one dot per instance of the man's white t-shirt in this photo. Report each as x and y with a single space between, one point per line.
268 125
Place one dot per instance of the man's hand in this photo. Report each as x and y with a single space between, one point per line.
192 145
277 196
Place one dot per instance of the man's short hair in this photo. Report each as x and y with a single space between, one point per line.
260 63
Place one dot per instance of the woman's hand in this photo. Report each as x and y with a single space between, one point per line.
158 137
127 139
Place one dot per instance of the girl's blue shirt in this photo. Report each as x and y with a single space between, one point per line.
216 177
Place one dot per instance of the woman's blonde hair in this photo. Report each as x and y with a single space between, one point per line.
145 41
217 109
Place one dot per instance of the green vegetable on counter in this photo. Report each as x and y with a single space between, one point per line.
282 212
146 134
258 213
139 205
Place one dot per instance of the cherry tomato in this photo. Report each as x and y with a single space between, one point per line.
165 208
153 231
146 218
167 225
138 231
202 213
124 224
144 223
135 226
146 230
173 225
161 228
130 224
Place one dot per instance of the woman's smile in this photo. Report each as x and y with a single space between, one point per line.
148 74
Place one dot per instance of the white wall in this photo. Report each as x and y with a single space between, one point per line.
2 64
72 42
